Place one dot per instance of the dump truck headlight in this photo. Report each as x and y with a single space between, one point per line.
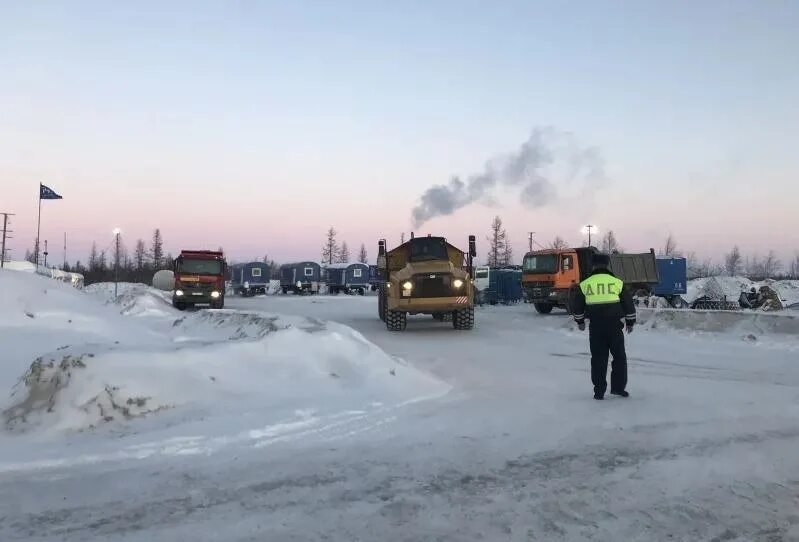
407 285
214 294
178 293
457 283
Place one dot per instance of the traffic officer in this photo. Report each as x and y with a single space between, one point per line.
604 300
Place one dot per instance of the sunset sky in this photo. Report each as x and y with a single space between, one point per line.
256 125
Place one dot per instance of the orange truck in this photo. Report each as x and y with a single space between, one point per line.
549 275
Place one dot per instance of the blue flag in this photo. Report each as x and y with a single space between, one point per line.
45 192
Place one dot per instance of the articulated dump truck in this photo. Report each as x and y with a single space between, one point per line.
426 275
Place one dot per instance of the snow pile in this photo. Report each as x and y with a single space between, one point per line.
134 299
747 324
286 371
76 363
788 290
718 288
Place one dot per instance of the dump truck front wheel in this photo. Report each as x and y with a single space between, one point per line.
396 320
463 318
543 308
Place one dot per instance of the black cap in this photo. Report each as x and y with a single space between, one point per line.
601 260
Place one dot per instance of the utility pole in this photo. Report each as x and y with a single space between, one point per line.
589 227
6 231
45 253
116 260
65 251
530 238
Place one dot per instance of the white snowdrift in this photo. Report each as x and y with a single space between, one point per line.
749 324
221 365
731 288
134 299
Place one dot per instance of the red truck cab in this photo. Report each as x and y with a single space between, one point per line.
199 279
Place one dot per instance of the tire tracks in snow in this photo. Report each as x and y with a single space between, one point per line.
547 495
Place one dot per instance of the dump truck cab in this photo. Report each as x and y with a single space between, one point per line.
426 275
548 276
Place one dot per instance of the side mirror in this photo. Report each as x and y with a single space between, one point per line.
472 247
381 247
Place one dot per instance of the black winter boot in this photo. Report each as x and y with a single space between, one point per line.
621 393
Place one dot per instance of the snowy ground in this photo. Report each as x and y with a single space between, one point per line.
430 434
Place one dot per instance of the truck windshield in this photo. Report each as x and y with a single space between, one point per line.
199 267
481 274
541 263
428 248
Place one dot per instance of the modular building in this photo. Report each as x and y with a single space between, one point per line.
250 278
300 277
347 278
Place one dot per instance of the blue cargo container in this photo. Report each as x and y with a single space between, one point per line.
673 275
347 278
504 286
250 278
300 277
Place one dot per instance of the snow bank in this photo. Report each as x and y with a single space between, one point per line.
285 371
749 324
134 299
731 288
78 364
718 287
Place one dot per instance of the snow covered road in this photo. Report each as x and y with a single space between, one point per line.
705 448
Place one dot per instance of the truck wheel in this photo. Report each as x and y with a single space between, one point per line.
543 308
179 305
447 317
438 317
396 320
463 318
381 302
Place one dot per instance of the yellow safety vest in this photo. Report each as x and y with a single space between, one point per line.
601 289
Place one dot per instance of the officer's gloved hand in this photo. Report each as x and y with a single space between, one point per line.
630 326
581 326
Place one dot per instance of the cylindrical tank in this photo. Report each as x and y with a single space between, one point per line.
164 280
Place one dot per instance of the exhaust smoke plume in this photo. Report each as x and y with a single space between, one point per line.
548 167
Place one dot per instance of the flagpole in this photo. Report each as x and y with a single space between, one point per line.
38 226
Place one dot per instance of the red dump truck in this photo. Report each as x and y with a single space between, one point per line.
199 279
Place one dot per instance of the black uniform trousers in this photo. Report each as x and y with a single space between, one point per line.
608 338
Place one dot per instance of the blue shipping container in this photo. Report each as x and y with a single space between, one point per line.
673 274
504 286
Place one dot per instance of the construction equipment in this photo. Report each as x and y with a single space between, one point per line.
426 275
549 275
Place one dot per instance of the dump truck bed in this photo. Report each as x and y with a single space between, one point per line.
637 270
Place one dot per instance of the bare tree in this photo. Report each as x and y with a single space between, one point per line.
558 243
506 258
497 242
670 248
330 250
157 250
610 243
733 262
139 256
771 265
344 253
794 267
362 256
